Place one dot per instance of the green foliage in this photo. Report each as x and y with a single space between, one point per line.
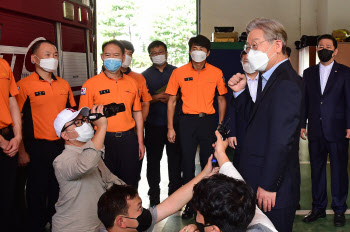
119 20
175 27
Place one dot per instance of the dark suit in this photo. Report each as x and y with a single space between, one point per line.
328 117
238 124
269 157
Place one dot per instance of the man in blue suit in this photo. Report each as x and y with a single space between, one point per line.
327 109
269 159
238 122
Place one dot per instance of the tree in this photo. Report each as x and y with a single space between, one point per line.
175 26
120 20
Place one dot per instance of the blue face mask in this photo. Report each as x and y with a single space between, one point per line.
112 64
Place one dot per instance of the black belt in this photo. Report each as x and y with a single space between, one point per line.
6 130
121 134
201 115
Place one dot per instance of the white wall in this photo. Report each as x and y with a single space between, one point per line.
299 17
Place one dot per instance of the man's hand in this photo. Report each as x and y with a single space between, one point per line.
220 149
101 122
141 151
237 82
190 228
12 147
171 135
23 159
232 142
266 199
348 133
164 98
303 133
3 143
208 169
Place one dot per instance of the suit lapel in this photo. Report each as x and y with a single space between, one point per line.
318 79
331 79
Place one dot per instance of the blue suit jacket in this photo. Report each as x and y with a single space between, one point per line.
270 154
238 120
329 111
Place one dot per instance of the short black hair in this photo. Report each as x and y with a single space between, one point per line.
114 202
288 51
156 43
328 36
243 53
225 202
200 40
37 44
128 45
115 42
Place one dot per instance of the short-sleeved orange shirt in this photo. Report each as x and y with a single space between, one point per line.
101 89
8 88
141 82
197 87
40 102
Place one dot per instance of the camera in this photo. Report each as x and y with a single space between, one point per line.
108 111
224 130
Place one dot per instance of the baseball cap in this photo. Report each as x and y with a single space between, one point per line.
68 115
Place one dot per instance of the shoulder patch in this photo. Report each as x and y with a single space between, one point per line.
83 91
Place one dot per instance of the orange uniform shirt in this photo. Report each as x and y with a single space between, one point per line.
101 89
197 87
8 88
141 83
40 102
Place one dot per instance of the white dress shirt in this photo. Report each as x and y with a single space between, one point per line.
253 86
324 74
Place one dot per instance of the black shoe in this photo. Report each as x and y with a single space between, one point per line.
188 212
314 215
339 219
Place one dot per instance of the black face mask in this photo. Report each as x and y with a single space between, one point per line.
325 55
144 220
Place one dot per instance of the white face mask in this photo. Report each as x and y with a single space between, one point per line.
248 68
198 56
85 132
258 60
49 65
159 59
127 61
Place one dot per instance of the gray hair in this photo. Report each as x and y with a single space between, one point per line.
272 30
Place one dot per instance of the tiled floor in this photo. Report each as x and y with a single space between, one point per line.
174 223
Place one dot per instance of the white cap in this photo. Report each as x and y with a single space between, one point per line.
67 115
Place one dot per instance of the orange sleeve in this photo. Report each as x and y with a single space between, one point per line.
137 100
173 84
22 95
146 96
86 96
221 84
13 85
71 98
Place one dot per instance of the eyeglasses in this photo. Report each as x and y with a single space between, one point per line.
77 123
254 46
157 53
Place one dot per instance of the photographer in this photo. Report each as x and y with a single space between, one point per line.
224 202
80 170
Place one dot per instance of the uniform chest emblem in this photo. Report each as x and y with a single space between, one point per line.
188 79
39 93
104 91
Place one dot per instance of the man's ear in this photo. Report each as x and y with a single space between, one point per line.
335 52
64 136
119 221
208 53
279 46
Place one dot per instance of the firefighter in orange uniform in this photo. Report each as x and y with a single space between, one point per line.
10 138
145 96
124 148
198 82
42 95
